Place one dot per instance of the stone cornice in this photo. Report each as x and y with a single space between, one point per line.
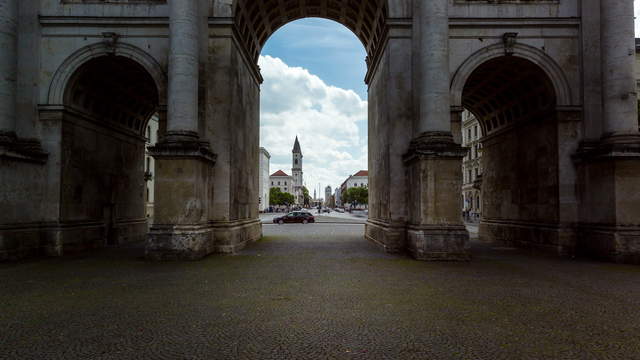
21 149
181 150
434 144
617 147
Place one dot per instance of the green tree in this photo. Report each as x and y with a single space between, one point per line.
356 196
277 197
307 198
288 199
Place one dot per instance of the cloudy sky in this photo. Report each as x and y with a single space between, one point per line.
636 11
313 87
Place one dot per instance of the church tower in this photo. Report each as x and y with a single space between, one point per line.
297 172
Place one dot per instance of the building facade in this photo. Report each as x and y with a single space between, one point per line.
265 179
552 84
336 196
151 136
328 197
359 179
282 181
471 167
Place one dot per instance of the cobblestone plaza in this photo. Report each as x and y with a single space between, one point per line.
319 292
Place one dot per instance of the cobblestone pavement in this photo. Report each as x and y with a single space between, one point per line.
319 291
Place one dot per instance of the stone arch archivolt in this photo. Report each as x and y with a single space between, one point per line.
257 20
64 74
555 74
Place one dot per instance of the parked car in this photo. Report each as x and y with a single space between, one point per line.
295 217
338 210
326 210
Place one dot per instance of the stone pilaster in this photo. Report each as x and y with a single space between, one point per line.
8 67
435 230
609 168
184 164
11 146
618 68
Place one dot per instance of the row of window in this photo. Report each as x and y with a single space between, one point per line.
470 176
272 183
468 137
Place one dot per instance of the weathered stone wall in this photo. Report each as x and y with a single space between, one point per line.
390 131
520 185
102 184
232 127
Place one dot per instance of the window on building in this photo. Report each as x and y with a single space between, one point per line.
475 130
296 161
148 164
278 183
272 183
469 177
478 202
148 133
285 183
476 172
469 134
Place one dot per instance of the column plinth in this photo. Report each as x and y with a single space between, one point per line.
435 231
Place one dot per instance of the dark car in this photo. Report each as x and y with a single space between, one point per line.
295 217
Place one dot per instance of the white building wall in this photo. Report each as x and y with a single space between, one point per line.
264 185
151 135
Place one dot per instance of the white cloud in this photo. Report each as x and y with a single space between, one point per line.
636 11
326 119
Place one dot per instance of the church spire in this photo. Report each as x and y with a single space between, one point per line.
296 147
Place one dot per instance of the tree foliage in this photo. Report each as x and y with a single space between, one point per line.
277 197
307 198
356 196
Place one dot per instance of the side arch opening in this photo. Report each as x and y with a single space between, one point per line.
514 103
108 103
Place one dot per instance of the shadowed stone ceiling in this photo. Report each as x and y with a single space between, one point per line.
258 19
507 90
114 90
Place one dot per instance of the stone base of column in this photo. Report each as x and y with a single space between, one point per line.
619 244
233 236
389 236
609 195
21 149
555 239
438 243
434 168
179 242
183 203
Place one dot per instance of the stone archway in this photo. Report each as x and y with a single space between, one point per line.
106 104
515 102
257 20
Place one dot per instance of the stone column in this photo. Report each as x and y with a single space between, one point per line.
8 66
184 165
433 63
184 70
618 68
434 162
608 170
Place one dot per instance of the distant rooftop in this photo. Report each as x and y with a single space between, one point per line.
279 173
362 173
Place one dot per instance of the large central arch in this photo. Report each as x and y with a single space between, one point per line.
233 112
